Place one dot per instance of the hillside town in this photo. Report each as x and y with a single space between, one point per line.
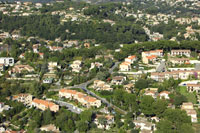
121 67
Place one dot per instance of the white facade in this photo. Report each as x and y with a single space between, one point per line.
180 53
7 61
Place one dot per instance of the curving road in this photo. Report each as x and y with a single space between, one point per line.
83 86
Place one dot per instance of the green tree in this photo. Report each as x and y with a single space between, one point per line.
179 99
141 84
164 126
86 116
82 126
159 106
186 128
47 116
146 105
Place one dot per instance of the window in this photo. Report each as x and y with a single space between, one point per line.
10 61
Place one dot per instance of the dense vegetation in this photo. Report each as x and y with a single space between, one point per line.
49 27
165 45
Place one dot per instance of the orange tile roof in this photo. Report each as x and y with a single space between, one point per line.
167 92
180 50
125 63
159 50
195 85
43 102
68 91
108 117
151 57
90 99
132 57
81 95
55 47
187 62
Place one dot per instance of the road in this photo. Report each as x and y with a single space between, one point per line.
161 67
70 107
83 86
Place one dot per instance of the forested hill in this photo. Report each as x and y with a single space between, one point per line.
49 27
33 1
48 1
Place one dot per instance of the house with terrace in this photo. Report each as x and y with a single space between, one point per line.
181 52
118 80
125 66
76 66
131 59
189 108
21 68
85 100
101 86
44 105
151 56
104 121
179 61
193 88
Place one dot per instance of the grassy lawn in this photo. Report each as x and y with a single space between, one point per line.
190 96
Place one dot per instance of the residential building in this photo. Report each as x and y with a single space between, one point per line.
131 59
7 61
55 48
151 93
2 130
24 98
52 66
76 66
85 100
180 61
118 80
43 105
181 69
125 66
11 131
48 80
35 48
164 94
22 56
101 86
188 107
1 105
181 52
129 88
86 45
157 52
50 128
41 55
149 59
175 74
143 124
2 67
109 120
4 107
96 64
151 56
193 88
21 68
